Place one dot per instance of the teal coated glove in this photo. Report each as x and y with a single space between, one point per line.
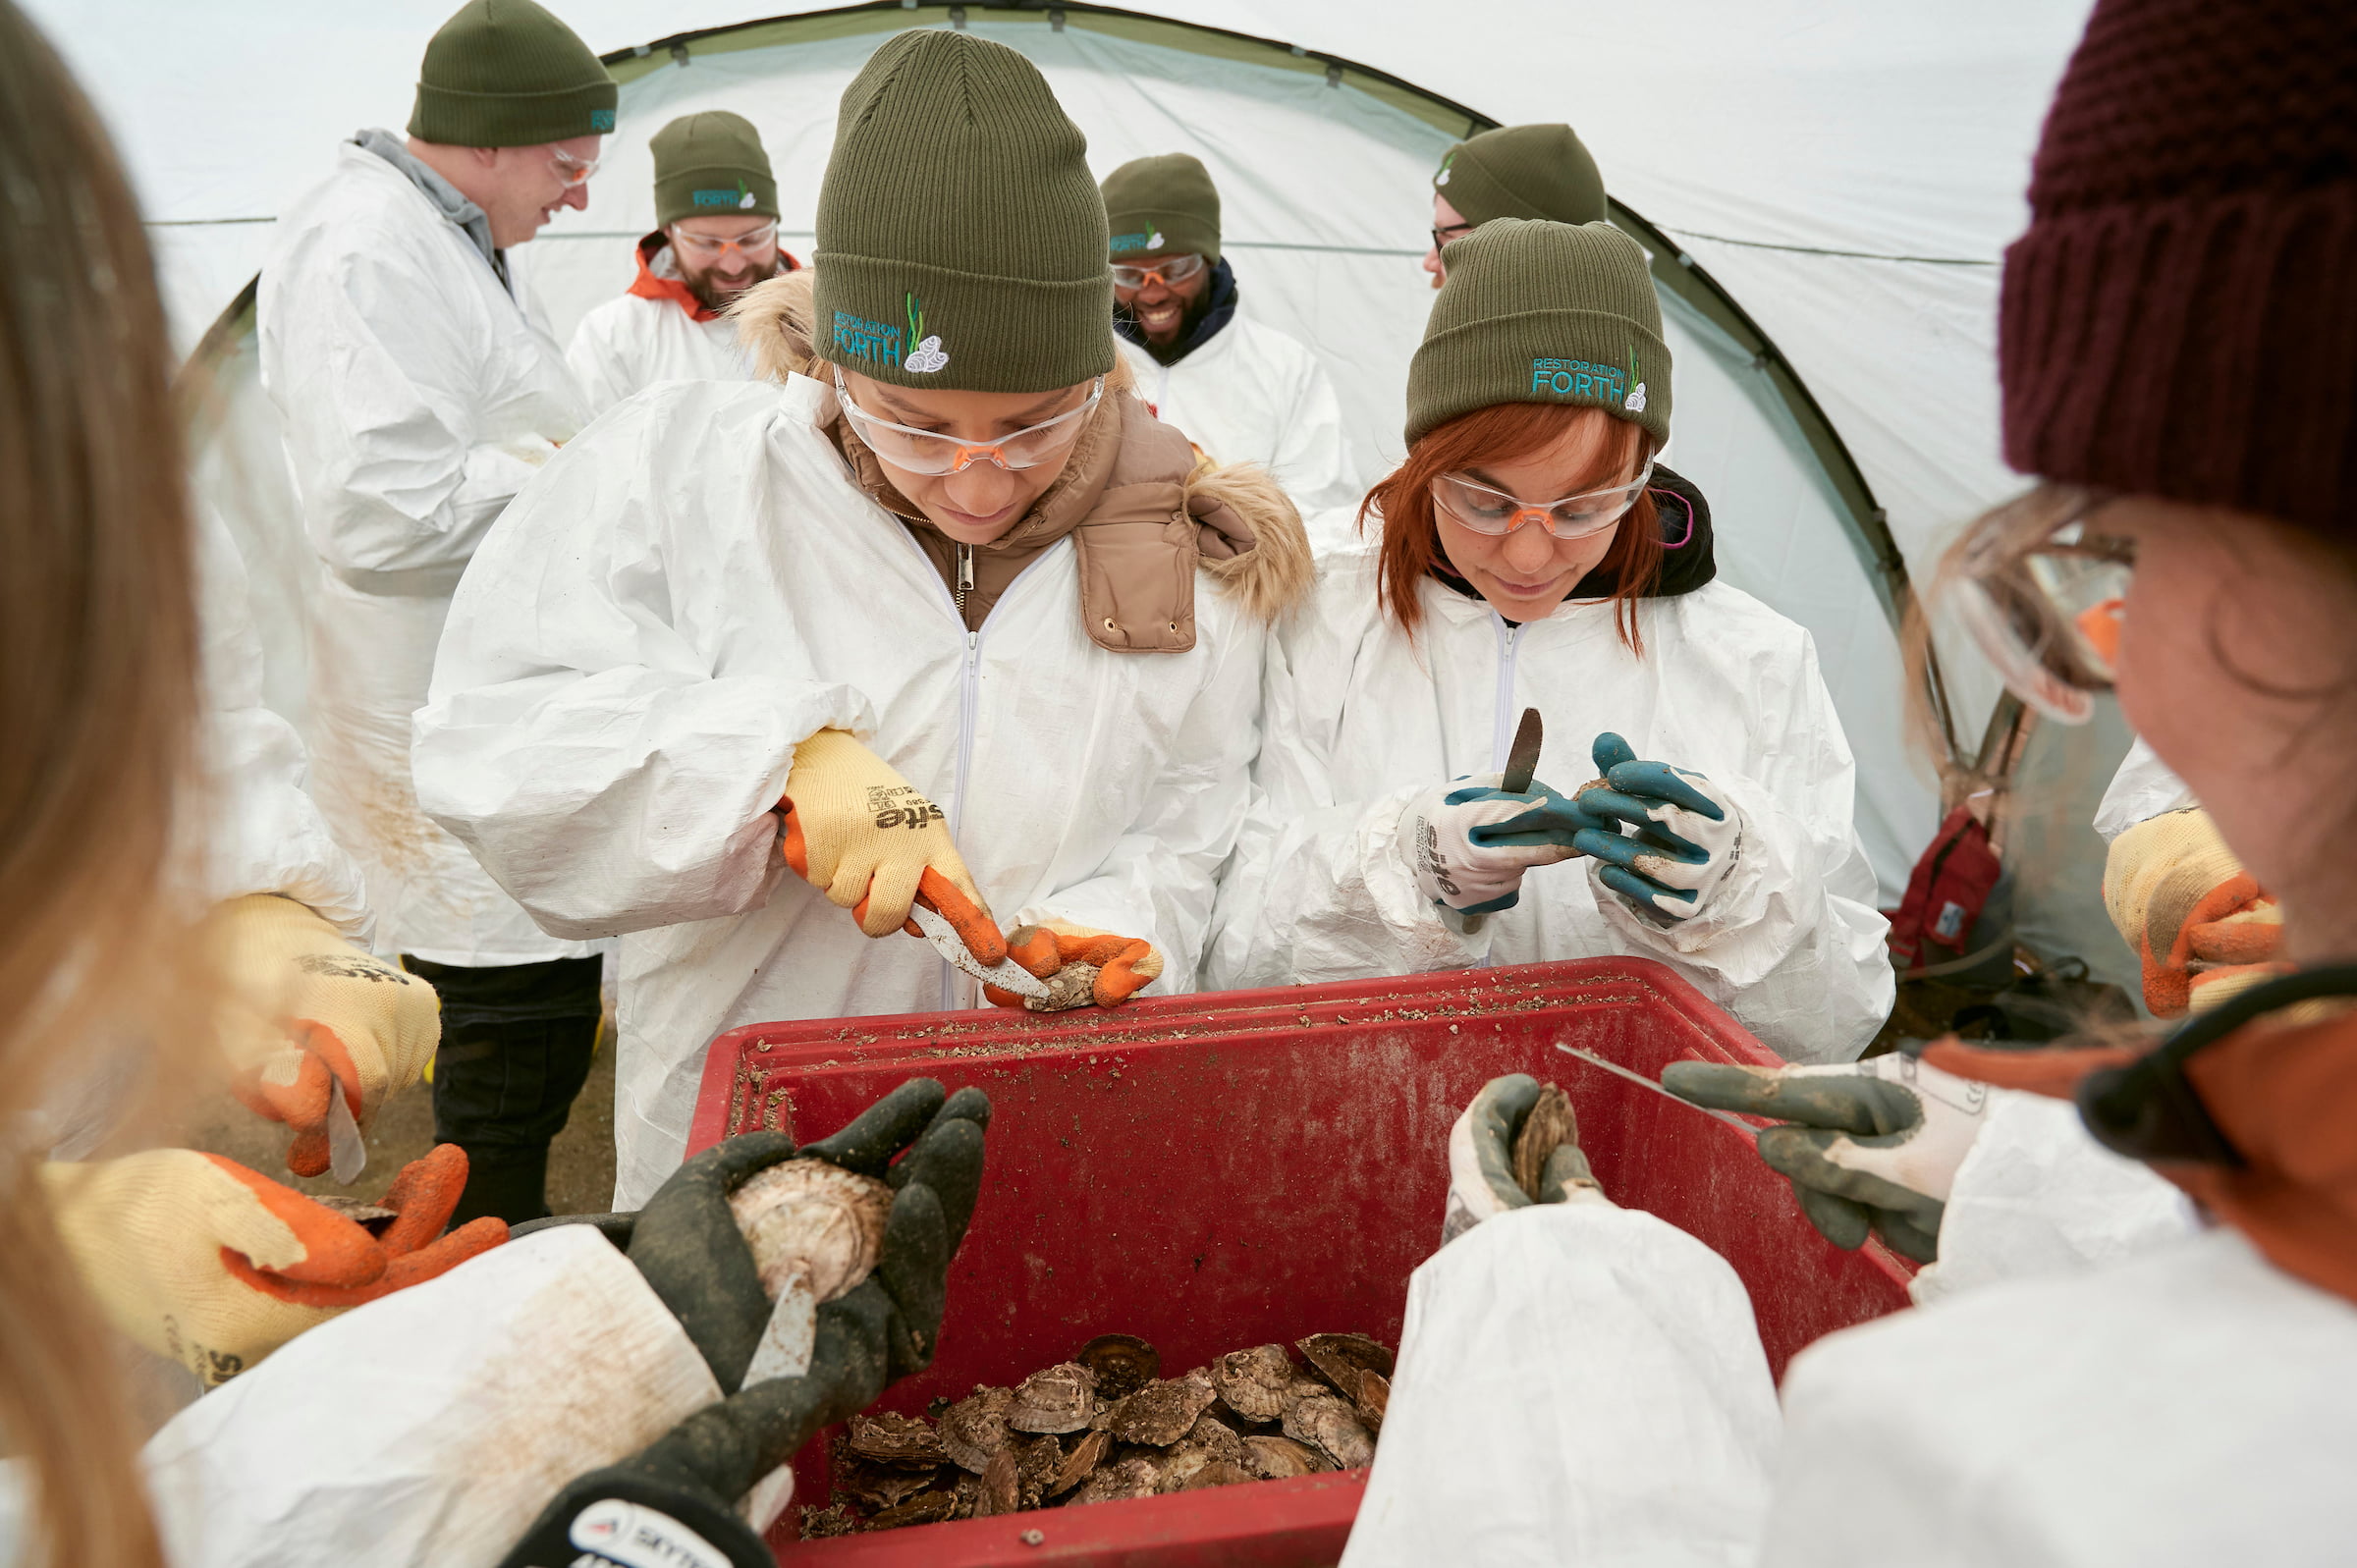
1867 1146
1688 834
1469 841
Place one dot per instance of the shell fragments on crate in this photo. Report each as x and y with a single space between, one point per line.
1547 1127
975 1429
1281 1458
1333 1427
1124 1478
1253 1381
1161 1412
809 1220
1056 1399
891 1439
1076 1467
1340 1358
1374 1396
1123 1364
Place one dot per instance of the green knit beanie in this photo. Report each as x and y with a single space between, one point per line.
1522 172
1162 207
506 74
711 165
961 239
1543 312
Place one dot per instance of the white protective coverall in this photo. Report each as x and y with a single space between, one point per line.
1254 395
427 1429
628 343
1582 1383
2142 790
417 395
698 585
1359 720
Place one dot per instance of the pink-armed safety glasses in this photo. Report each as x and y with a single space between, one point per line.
1487 509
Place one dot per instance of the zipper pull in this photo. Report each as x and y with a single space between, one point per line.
966 574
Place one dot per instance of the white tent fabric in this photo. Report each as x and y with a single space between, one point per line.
1848 172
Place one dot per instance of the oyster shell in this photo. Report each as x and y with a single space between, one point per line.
1180 1465
925 1508
1217 1439
1281 1458
1035 1465
872 1485
1374 1394
1549 1125
1340 1358
817 1523
1333 1428
1219 1473
1161 1412
1122 1363
1076 1467
1073 985
1124 1478
975 1429
1056 1399
891 1439
811 1221
1001 1489
1253 1383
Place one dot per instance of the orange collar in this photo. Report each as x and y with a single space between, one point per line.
2285 1096
646 286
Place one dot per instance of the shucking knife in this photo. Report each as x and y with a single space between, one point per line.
1521 765
1006 974
347 1149
1614 1068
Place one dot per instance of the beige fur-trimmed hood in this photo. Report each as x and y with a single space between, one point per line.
1167 504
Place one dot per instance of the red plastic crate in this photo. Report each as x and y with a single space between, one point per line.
1221 1171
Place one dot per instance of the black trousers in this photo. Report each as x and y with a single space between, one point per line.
516 1048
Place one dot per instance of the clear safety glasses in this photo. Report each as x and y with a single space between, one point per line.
1442 238
758 245
569 169
929 451
1485 509
2040 588
1170 272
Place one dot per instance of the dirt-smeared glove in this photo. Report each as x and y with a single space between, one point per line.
686 1244
863 836
215 1266
1870 1145
1469 841
680 1495
306 1011
2200 923
1687 833
1082 966
1481 1157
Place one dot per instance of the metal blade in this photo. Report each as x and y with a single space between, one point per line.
347 1149
1522 760
1006 974
1594 1060
788 1338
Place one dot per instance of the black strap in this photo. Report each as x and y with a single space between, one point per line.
2147 1110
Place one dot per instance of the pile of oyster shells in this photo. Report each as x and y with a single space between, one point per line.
1106 1424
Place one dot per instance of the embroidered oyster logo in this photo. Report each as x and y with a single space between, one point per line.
928 355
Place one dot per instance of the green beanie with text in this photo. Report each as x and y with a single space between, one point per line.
507 73
1162 207
1522 172
711 165
1543 312
960 236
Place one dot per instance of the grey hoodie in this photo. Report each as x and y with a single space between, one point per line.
446 198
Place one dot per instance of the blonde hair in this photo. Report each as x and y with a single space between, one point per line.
98 656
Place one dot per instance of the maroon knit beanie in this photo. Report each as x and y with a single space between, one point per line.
2180 319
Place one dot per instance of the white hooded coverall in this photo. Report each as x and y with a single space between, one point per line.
417 395
1359 722
2102 1382
628 343
1254 395
700 585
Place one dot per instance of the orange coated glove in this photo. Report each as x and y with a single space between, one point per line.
1082 965
305 1010
2200 925
864 837
215 1266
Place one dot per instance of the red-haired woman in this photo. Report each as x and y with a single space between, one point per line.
1527 560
